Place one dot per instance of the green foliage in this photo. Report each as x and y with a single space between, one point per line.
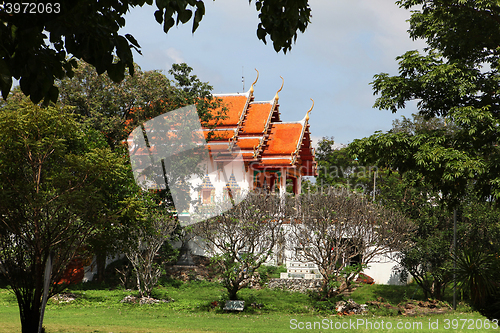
337 168
110 108
35 48
242 239
109 112
267 272
280 20
456 78
476 272
119 273
234 271
448 154
54 193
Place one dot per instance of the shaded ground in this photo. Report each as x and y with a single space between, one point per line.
413 308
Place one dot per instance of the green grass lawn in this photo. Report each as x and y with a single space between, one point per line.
100 310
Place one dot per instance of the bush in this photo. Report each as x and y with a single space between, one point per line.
269 272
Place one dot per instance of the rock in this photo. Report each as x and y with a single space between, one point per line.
64 297
295 285
143 300
350 307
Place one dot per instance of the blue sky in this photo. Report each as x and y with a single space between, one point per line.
333 62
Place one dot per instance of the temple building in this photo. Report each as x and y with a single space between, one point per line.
246 147
272 153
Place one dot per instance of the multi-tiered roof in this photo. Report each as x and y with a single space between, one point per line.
265 142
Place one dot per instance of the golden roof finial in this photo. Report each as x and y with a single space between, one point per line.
254 82
307 115
282 83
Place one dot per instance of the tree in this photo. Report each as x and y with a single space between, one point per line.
337 168
147 242
456 78
427 200
428 260
110 108
342 233
242 239
41 42
54 185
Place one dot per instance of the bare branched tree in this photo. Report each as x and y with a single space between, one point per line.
243 238
148 242
341 232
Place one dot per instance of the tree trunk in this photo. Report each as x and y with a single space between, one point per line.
233 291
30 316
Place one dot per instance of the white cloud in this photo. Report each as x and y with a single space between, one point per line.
175 55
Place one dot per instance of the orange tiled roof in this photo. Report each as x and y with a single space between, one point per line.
218 135
248 143
256 118
284 138
254 127
276 161
235 105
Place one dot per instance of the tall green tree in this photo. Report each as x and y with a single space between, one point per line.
55 185
456 77
40 42
114 109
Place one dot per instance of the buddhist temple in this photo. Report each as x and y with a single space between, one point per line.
249 148
273 153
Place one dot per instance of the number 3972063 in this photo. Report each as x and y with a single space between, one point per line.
32 8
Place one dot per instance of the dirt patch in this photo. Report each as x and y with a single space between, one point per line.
414 308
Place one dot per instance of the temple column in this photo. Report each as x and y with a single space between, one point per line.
298 182
283 183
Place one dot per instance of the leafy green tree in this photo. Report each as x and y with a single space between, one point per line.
408 190
456 78
38 48
337 168
55 184
114 109
428 260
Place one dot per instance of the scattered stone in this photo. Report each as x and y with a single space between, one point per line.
144 300
350 307
294 285
413 308
64 297
430 306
